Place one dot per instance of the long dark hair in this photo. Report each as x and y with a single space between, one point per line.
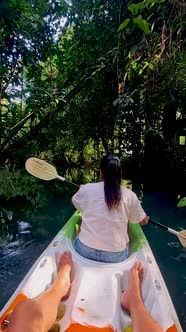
111 172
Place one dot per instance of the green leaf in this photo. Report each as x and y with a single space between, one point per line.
182 202
143 24
161 135
141 5
134 65
151 66
133 8
44 77
124 24
146 3
145 65
137 19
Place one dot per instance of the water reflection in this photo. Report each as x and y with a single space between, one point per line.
34 201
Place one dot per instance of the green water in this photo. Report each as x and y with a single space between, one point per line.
17 257
169 254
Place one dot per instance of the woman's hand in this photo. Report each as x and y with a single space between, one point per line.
145 220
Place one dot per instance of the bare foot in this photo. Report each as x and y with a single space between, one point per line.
133 291
65 266
65 260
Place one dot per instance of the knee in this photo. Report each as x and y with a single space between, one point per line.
28 307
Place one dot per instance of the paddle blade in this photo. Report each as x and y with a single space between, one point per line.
182 238
41 169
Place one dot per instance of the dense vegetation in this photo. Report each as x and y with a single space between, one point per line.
80 78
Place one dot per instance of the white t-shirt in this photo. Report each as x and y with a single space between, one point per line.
102 228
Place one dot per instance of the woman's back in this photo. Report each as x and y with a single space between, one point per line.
106 208
103 228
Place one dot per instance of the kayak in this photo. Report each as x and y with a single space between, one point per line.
94 301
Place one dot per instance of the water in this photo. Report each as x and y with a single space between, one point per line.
17 257
169 254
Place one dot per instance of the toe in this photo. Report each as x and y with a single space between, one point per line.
136 266
141 271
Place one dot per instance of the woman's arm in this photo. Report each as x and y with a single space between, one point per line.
145 220
79 197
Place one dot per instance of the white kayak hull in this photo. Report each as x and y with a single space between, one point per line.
97 287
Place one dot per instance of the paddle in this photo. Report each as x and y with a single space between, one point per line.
43 170
181 234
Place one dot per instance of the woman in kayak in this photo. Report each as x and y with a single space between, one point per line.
106 208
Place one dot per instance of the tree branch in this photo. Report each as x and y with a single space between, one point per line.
34 131
14 130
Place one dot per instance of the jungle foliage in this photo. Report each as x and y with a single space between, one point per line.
80 78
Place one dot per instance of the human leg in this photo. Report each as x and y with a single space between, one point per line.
131 301
39 314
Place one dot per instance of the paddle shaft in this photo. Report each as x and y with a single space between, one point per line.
168 229
158 224
63 179
74 184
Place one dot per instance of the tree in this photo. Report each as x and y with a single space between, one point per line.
106 78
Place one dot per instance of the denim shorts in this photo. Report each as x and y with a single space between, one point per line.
100 255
